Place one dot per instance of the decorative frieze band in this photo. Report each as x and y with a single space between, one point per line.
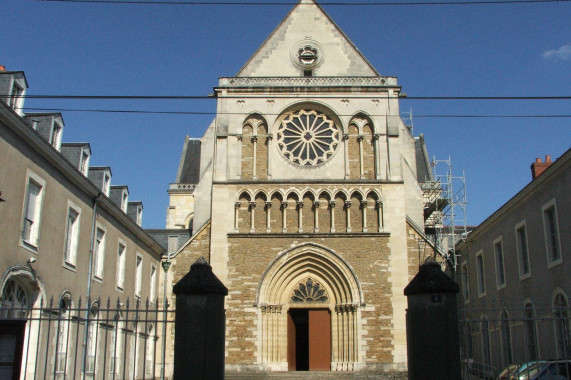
307 81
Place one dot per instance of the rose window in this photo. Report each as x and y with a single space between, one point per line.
307 137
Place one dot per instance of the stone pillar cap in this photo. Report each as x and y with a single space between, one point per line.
200 280
431 279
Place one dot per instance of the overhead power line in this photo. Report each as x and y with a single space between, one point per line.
193 97
236 113
281 3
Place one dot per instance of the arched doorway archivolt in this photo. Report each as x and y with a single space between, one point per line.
309 259
291 273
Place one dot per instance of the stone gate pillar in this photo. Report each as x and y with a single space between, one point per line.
432 325
200 324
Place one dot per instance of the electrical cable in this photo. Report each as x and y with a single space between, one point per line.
237 113
290 3
198 97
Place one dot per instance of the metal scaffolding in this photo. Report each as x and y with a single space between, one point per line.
445 209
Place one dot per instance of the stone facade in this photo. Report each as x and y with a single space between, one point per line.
308 200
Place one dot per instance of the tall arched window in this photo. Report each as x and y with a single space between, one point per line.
469 341
62 338
562 328
116 347
92 335
149 350
247 165
530 332
354 153
506 339
486 346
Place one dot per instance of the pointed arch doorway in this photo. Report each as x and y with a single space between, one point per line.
309 301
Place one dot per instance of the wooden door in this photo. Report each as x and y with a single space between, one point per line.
319 340
290 343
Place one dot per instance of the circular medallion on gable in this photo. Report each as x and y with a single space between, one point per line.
307 54
307 137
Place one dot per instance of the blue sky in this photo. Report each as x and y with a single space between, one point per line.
434 50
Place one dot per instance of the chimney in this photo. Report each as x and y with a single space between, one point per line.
539 167
2 68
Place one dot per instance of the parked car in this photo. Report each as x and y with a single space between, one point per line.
547 370
508 372
527 370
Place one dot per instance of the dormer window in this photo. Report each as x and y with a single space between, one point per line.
55 139
124 201
106 184
17 92
84 164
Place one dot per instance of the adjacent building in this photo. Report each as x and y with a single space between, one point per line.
69 242
515 275
304 194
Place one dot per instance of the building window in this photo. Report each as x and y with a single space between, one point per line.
530 332
124 201
469 341
551 228
71 236
150 351
116 347
99 253
506 339
480 274
90 364
32 210
486 346
139 219
522 250
106 184
121 253
500 270
56 136
15 96
562 326
465 282
62 343
152 295
84 164
138 274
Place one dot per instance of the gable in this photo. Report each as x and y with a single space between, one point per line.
307 29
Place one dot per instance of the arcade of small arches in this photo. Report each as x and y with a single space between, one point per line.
316 141
337 211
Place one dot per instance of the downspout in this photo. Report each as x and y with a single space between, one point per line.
89 274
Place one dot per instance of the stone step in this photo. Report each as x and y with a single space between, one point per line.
315 375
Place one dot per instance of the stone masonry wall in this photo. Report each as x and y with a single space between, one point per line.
249 256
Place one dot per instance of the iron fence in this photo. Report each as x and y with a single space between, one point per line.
87 340
496 341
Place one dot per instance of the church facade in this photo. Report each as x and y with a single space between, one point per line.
304 195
